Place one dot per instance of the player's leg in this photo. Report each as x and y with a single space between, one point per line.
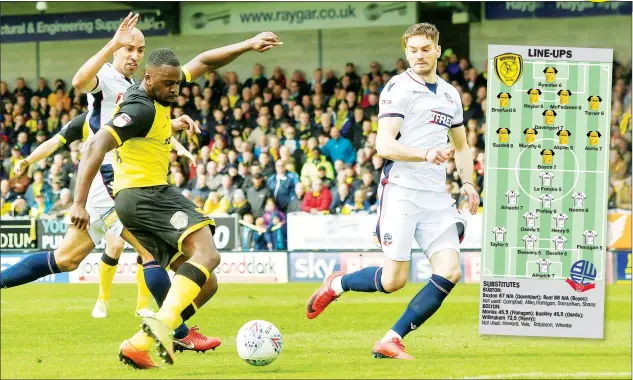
173 219
395 229
443 253
75 246
107 270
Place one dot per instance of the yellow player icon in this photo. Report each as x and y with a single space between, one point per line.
564 96
530 135
594 102
563 136
548 155
550 73
503 134
549 116
534 94
594 136
504 99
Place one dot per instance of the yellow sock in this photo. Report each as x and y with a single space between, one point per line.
107 270
142 341
184 289
143 297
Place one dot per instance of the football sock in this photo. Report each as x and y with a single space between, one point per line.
158 282
423 305
390 335
143 294
34 266
185 288
107 270
364 280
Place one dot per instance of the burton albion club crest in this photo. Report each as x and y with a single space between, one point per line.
508 68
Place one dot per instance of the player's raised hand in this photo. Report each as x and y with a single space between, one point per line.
438 155
20 167
468 189
184 122
264 42
123 35
79 216
188 155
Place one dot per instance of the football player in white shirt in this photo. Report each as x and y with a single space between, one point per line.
418 112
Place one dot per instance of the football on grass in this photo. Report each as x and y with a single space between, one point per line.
259 342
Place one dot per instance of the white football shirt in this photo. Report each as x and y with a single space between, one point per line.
579 199
499 233
529 241
559 242
543 265
589 236
428 112
547 200
530 218
512 197
546 178
560 220
102 101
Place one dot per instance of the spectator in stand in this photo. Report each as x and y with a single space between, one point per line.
339 148
318 200
282 185
257 195
341 198
38 187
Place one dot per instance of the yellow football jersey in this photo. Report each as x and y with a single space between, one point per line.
547 156
504 99
563 136
594 102
549 116
530 135
534 94
503 134
594 136
550 73
564 96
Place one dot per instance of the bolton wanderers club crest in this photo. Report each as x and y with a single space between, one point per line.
387 240
581 276
508 68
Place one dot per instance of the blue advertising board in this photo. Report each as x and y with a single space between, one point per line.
623 265
74 26
313 267
501 10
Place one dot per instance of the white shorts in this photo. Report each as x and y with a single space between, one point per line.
100 207
429 217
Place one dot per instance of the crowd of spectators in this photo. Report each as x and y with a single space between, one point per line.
270 144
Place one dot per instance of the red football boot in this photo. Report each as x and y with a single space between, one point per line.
194 341
322 297
134 357
393 349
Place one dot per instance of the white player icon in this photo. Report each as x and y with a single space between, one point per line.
547 200
499 233
530 218
579 199
560 220
512 197
589 236
543 265
559 242
546 177
529 241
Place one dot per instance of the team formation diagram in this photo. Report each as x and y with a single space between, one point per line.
546 169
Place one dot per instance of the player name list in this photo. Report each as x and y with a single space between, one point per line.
535 307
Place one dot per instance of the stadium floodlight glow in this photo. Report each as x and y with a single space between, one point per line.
41 6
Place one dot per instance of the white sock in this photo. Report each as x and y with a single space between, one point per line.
390 335
337 285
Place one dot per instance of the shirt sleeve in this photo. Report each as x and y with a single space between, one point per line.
73 130
133 119
393 101
458 120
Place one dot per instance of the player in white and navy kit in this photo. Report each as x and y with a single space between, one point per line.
419 111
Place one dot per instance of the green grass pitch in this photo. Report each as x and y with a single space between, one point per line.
47 332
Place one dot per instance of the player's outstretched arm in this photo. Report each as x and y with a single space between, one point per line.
72 131
214 59
182 151
85 79
95 151
464 163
